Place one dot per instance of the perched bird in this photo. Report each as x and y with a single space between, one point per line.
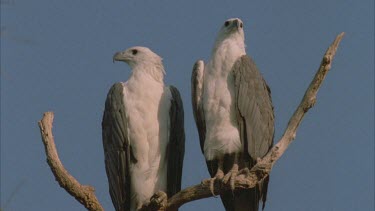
234 114
143 132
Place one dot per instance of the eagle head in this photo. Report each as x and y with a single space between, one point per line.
142 59
232 29
138 55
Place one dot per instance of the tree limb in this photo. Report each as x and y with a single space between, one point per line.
249 178
82 193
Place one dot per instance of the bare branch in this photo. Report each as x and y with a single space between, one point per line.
308 101
249 178
246 178
82 193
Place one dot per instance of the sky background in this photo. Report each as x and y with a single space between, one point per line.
57 56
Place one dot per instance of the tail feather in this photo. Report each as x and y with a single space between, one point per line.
264 190
242 200
246 200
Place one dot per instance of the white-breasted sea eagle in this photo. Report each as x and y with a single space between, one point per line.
234 114
143 132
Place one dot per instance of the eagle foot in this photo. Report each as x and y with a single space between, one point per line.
244 171
219 176
231 177
159 199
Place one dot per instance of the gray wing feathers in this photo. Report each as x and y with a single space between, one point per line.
255 119
196 99
176 145
116 148
255 107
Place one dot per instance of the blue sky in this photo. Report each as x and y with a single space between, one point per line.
57 56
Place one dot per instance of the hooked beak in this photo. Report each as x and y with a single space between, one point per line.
238 24
120 56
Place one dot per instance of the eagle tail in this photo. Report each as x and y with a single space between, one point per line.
264 185
246 200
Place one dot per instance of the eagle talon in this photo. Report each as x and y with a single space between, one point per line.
219 176
244 171
212 182
231 178
159 198
232 174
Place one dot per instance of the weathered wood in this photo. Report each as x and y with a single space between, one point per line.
83 193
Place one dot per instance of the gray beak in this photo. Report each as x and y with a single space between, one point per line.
238 23
119 56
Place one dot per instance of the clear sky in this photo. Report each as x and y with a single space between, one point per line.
57 56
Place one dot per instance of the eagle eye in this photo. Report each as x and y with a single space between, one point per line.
241 25
134 51
226 23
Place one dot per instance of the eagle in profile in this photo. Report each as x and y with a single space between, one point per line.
234 115
143 132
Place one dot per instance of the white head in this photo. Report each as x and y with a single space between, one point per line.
231 29
142 59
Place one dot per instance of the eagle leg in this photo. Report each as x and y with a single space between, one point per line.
219 175
232 174
159 199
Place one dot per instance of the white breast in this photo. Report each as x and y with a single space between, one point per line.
222 135
147 104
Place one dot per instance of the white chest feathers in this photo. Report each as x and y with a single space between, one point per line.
147 103
222 136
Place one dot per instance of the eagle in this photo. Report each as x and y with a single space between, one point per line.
234 115
143 132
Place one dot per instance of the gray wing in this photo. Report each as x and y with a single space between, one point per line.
196 99
116 148
176 145
255 117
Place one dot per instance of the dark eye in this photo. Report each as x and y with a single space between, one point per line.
134 51
226 23
241 25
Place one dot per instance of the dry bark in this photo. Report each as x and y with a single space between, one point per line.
83 193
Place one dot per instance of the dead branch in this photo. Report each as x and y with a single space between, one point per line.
82 193
246 178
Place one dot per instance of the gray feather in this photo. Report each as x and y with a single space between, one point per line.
196 99
255 106
116 148
255 119
176 145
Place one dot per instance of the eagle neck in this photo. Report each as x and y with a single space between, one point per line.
232 41
227 51
155 72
